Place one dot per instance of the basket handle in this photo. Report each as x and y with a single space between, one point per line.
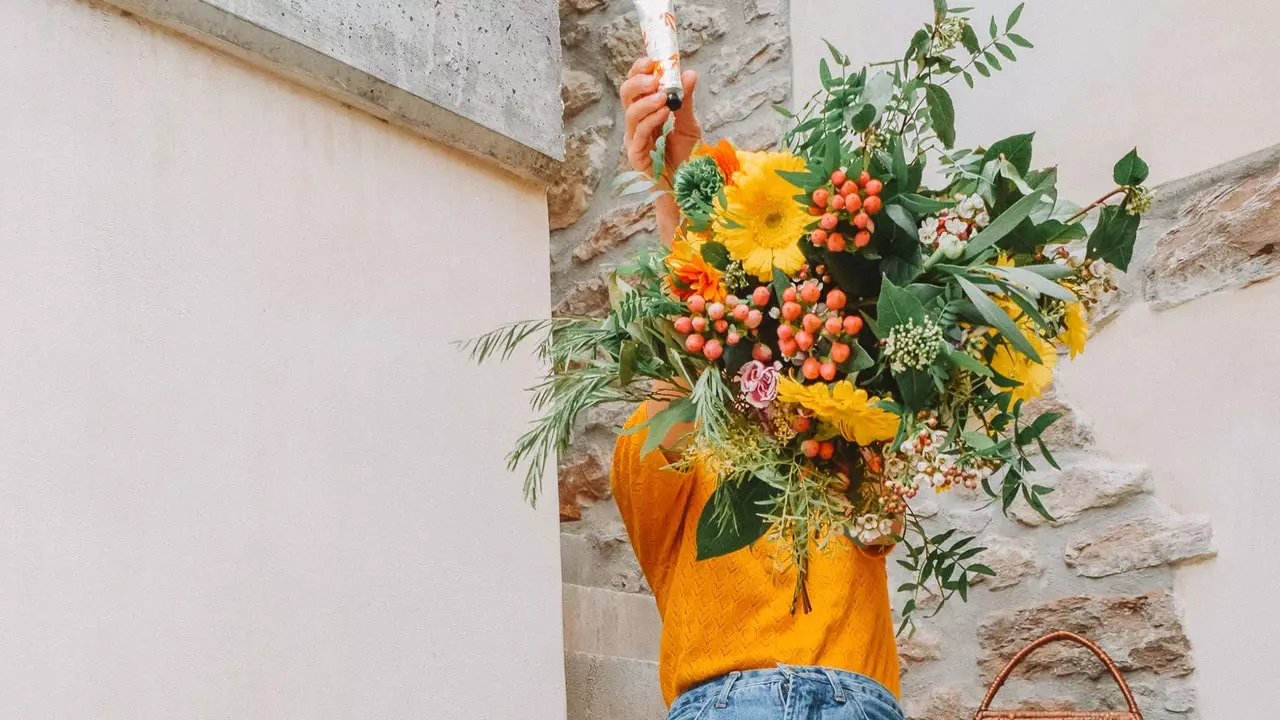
1057 637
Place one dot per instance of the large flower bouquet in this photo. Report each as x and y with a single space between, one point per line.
839 337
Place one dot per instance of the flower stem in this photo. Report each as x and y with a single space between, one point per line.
1088 209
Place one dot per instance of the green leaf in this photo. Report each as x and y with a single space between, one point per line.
1006 51
965 361
917 43
1131 170
1054 231
901 172
841 59
896 306
824 73
1003 224
783 110
940 8
1013 17
1115 236
970 39
982 69
995 29
1016 149
968 79
982 570
1034 282
627 362
878 92
901 218
1020 41
978 441
660 425
744 525
943 113
920 204
716 255
992 60
780 283
862 118
916 387
998 319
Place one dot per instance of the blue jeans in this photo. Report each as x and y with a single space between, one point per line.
789 691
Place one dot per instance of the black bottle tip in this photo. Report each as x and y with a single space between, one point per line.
674 101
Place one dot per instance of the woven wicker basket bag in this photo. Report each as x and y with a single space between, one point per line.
986 713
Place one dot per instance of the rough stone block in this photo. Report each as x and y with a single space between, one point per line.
607 622
1083 484
615 228
589 298
944 703
609 688
1227 237
579 91
584 480
1012 560
576 179
1143 543
1140 632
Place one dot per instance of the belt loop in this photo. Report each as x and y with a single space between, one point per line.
723 701
835 684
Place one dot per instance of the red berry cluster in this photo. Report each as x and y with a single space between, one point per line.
845 199
710 326
818 332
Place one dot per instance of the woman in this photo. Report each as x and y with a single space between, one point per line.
731 647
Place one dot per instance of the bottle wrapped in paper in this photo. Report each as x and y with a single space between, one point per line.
658 24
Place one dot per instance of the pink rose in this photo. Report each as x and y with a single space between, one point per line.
759 383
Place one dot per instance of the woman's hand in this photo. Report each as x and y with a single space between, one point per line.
646 111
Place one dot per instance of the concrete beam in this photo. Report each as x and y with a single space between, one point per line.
479 75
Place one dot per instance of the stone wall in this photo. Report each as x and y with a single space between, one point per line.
743 56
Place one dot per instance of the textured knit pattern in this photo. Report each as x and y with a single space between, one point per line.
734 612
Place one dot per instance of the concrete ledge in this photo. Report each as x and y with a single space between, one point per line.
526 144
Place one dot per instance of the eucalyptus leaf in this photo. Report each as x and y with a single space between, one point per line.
745 523
660 425
998 319
1004 224
943 113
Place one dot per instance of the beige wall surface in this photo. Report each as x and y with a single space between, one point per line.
1184 81
1193 392
242 472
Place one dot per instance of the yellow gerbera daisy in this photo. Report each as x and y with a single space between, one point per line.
1077 332
1033 377
846 407
761 223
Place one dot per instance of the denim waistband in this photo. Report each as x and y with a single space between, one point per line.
839 680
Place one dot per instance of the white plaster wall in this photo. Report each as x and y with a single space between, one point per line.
242 472
1184 80
1193 392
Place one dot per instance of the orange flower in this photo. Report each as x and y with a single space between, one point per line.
725 155
690 273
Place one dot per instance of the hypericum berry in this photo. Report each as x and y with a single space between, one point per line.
835 243
732 301
810 369
864 178
697 303
810 448
699 324
740 312
819 237
815 210
820 197
800 423
874 187
852 202
721 326
828 371
791 310
804 340
694 343
788 347
861 220
712 350
811 323
789 295
810 293
754 318
839 352
829 221
872 204
837 202
848 188
762 352
836 299
833 325
862 239
715 311
826 450
684 325
733 338
839 177
786 332
852 325
760 296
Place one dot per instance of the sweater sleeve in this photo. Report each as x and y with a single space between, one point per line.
653 501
